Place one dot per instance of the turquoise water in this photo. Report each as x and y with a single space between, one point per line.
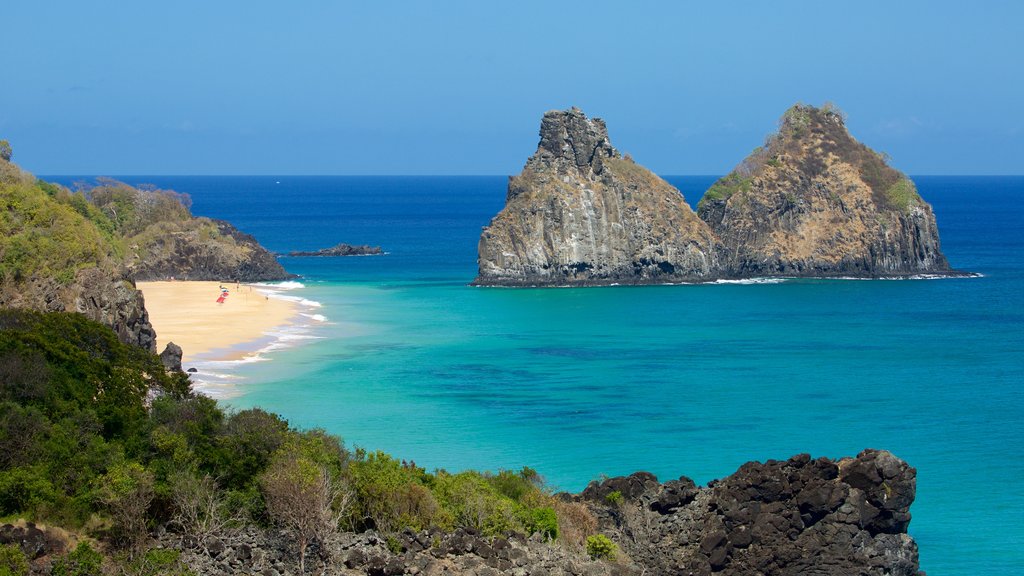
675 380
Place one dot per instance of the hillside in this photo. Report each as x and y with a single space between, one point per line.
83 251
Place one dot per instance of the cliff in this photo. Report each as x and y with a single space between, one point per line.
581 214
162 238
54 258
201 249
815 202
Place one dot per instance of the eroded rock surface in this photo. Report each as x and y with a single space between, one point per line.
815 202
99 294
203 249
792 517
581 214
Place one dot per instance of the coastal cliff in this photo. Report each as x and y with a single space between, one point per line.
580 213
202 249
815 202
53 258
82 252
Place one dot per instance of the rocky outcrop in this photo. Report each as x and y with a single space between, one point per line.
815 202
99 294
342 250
171 357
799 516
581 214
202 249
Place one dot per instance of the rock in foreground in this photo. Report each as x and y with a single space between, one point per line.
799 516
815 202
581 214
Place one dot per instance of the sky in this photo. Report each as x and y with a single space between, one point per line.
459 87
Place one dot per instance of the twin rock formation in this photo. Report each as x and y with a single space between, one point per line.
811 202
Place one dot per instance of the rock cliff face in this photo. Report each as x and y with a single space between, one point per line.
815 202
581 214
203 249
98 294
799 516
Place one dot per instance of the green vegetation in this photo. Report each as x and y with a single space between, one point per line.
43 234
724 188
96 437
902 194
803 128
12 561
614 498
600 547
82 561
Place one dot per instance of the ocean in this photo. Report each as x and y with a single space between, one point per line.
400 354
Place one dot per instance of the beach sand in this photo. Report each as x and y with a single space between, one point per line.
187 313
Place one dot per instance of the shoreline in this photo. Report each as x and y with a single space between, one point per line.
253 319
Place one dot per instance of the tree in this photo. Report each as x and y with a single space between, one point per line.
5 150
305 499
200 509
127 490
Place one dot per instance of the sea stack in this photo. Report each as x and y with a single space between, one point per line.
581 214
815 202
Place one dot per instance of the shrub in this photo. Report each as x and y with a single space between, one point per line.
391 493
575 522
157 562
82 561
126 491
600 547
902 194
13 561
614 498
545 521
24 489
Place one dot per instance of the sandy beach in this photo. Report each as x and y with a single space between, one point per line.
187 313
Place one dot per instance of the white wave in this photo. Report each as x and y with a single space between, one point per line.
286 285
751 281
317 317
297 299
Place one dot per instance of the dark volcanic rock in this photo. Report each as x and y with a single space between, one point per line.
793 517
815 202
101 295
581 214
204 249
343 250
171 357
799 516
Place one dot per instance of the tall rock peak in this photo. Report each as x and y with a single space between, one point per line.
813 201
569 136
580 214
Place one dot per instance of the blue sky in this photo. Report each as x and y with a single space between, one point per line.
459 87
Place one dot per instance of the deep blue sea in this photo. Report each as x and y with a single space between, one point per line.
677 380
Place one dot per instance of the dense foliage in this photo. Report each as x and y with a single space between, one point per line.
95 436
